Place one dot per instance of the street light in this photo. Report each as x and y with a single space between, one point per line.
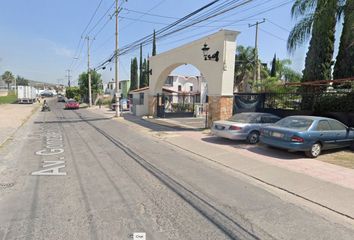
207 56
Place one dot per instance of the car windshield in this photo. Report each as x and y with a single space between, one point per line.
301 124
244 118
71 101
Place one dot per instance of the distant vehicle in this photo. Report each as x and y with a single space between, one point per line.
308 134
243 126
124 105
61 98
47 94
72 104
26 94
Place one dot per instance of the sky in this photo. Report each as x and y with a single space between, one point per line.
41 39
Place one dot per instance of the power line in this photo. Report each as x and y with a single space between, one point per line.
83 32
137 42
102 17
142 15
277 25
93 15
193 19
271 34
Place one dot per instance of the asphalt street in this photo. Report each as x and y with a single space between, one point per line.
73 174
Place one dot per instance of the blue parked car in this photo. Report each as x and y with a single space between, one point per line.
308 134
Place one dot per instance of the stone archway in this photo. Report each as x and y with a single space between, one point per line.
218 74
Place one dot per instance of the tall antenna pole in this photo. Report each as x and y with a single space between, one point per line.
89 70
257 68
117 65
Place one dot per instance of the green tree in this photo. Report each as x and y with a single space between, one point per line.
273 71
134 74
73 92
8 78
96 84
145 81
244 65
21 81
154 43
317 20
344 67
141 67
148 70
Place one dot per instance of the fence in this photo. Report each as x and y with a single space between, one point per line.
339 105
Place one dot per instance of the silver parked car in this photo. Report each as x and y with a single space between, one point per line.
243 126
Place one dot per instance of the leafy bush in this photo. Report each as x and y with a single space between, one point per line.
335 103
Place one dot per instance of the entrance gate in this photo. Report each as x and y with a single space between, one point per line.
175 105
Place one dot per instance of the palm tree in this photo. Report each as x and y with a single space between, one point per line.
244 65
344 67
8 77
317 20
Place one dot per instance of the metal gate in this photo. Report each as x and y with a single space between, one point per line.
175 105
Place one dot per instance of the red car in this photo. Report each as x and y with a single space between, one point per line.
72 104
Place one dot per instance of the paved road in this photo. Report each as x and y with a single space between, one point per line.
77 175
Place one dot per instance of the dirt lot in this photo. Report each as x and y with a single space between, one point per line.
13 116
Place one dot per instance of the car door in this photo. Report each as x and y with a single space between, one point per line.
342 138
325 134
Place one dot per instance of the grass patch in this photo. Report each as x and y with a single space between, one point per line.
11 98
344 158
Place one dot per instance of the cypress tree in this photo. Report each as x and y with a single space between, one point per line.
134 74
344 67
318 60
273 71
145 81
148 69
319 56
141 82
154 43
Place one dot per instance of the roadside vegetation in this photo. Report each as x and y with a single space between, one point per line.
10 98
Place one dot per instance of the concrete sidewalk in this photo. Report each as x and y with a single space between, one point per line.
327 185
12 116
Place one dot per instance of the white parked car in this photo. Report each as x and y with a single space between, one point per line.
243 126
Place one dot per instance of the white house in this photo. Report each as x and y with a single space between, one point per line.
185 88
177 89
109 88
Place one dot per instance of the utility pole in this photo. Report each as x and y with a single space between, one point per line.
89 70
257 68
68 76
117 65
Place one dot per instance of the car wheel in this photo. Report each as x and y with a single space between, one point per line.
315 151
253 137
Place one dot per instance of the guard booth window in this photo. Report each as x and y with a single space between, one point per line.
141 98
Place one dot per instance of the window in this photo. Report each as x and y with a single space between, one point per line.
301 124
323 125
169 80
191 88
179 88
336 125
141 98
269 119
197 98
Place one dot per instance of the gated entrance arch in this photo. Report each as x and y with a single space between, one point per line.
218 74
